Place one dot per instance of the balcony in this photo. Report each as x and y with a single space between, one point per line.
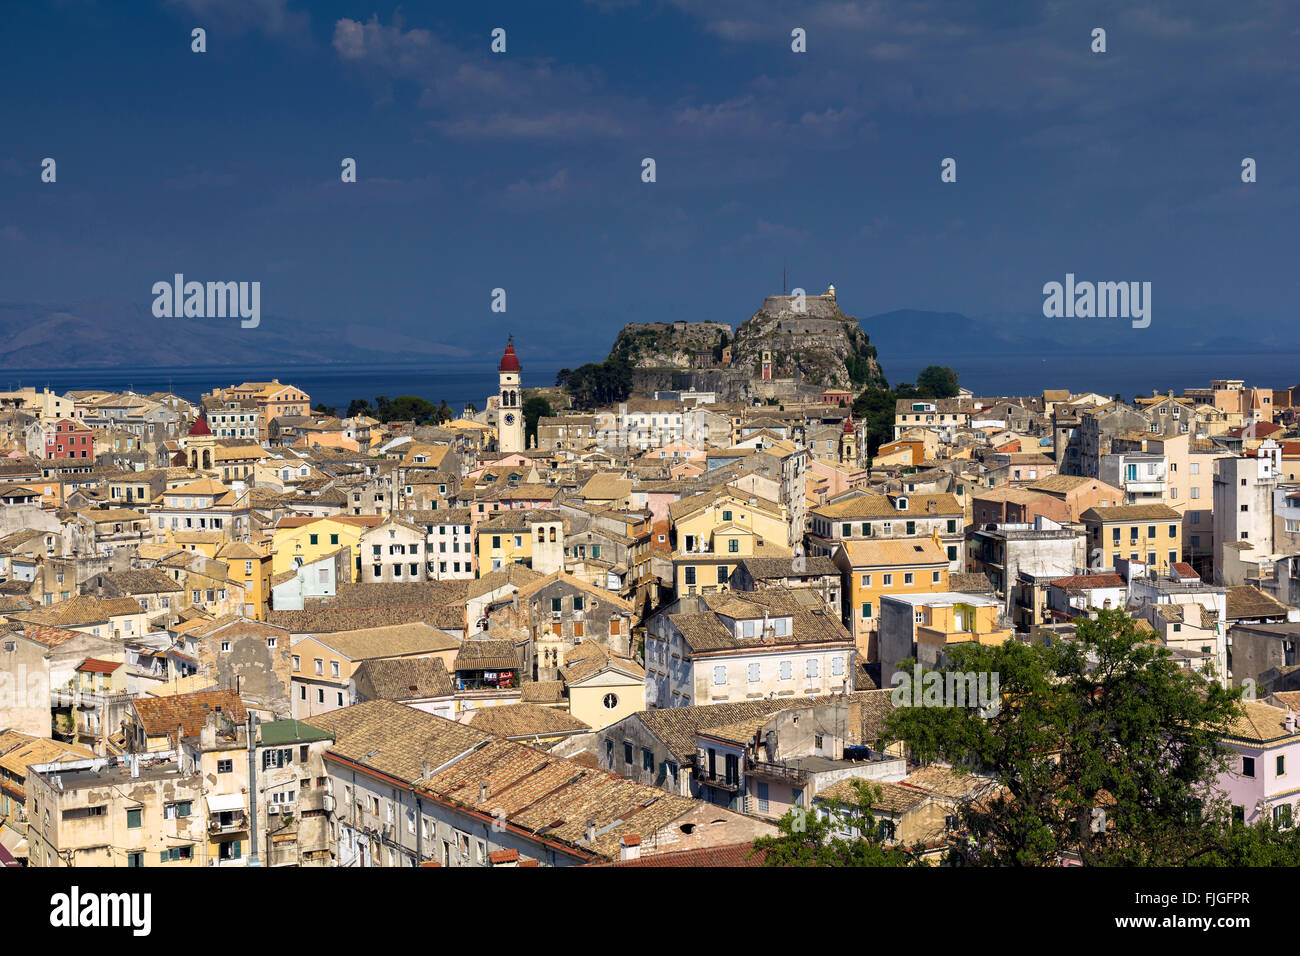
224 824
720 782
778 771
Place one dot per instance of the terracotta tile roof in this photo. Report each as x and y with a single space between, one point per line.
970 582
732 855
50 636
395 739
93 666
676 727
477 655
541 692
892 797
324 619
403 678
162 715
555 799
20 751
1086 581
414 637
1260 723
525 720
1245 601
706 631
895 552
1132 513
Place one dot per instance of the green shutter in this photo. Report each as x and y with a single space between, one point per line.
236 852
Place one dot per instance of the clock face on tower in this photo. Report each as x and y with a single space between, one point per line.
510 418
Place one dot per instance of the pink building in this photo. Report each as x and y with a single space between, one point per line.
1263 773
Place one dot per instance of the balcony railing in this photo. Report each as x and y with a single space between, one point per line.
231 823
721 782
778 771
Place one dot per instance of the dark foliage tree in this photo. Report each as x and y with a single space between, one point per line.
1106 749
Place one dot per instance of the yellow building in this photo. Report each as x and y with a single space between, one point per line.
309 539
1151 534
873 568
694 519
250 569
602 687
718 551
531 538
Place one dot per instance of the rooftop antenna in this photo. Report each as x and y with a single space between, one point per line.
783 292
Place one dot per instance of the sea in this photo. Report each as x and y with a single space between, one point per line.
1128 375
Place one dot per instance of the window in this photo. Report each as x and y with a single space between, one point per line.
753 673
690 574
627 753
225 766
1281 765
133 818
907 577
720 675
297 662
320 666
866 609
810 667
174 811
887 579
1248 766
787 670
866 580
334 668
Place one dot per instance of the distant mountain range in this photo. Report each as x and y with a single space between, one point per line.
111 333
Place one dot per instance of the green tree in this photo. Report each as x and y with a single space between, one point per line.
408 408
534 408
874 411
1106 723
811 839
359 406
937 381
322 409
603 383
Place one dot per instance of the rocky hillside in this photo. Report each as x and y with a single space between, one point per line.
664 345
816 348
819 346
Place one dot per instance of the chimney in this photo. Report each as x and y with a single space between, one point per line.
591 831
1290 722
482 792
629 847
135 766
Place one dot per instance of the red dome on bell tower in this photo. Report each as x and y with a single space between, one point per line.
848 425
200 427
509 361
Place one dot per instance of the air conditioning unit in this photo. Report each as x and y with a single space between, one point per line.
273 808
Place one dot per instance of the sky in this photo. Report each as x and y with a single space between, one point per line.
522 170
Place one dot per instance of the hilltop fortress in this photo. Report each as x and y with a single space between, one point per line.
792 348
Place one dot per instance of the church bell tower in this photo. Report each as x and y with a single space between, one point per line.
510 415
